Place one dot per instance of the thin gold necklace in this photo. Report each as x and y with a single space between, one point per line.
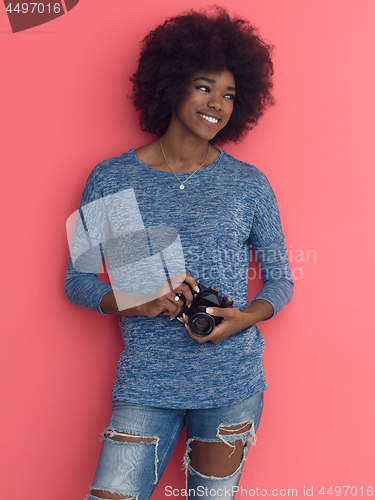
190 176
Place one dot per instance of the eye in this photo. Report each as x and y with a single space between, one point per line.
203 88
230 97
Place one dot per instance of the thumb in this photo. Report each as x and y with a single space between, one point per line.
216 311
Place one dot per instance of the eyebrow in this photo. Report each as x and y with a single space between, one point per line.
210 80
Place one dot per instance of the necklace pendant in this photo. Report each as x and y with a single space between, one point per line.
191 175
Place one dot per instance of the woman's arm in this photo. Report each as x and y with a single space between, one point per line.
268 243
87 244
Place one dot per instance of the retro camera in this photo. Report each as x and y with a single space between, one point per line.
200 322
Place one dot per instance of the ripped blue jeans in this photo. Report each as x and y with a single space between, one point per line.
133 469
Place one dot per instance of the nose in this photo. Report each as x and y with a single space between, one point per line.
215 102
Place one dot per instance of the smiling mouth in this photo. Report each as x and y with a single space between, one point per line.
210 119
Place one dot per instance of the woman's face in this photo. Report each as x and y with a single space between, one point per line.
208 104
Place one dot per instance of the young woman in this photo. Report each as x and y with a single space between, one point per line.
175 216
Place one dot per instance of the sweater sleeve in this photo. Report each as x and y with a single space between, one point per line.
82 287
268 244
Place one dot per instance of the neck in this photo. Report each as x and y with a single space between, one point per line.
184 169
184 154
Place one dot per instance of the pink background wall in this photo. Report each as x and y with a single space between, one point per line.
64 109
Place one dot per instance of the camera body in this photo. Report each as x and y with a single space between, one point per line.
200 322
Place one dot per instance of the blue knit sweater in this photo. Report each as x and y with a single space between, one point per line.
151 231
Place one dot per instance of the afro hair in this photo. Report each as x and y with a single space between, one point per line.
196 41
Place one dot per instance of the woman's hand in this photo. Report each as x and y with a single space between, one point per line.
170 304
166 299
233 320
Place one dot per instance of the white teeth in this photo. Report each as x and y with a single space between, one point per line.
210 119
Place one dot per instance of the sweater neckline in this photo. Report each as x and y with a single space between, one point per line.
182 175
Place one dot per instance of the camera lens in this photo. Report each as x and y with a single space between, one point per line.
201 323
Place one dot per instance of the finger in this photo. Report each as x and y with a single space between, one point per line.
178 303
172 297
215 337
218 311
185 290
218 334
176 281
191 281
197 338
172 304
166 306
